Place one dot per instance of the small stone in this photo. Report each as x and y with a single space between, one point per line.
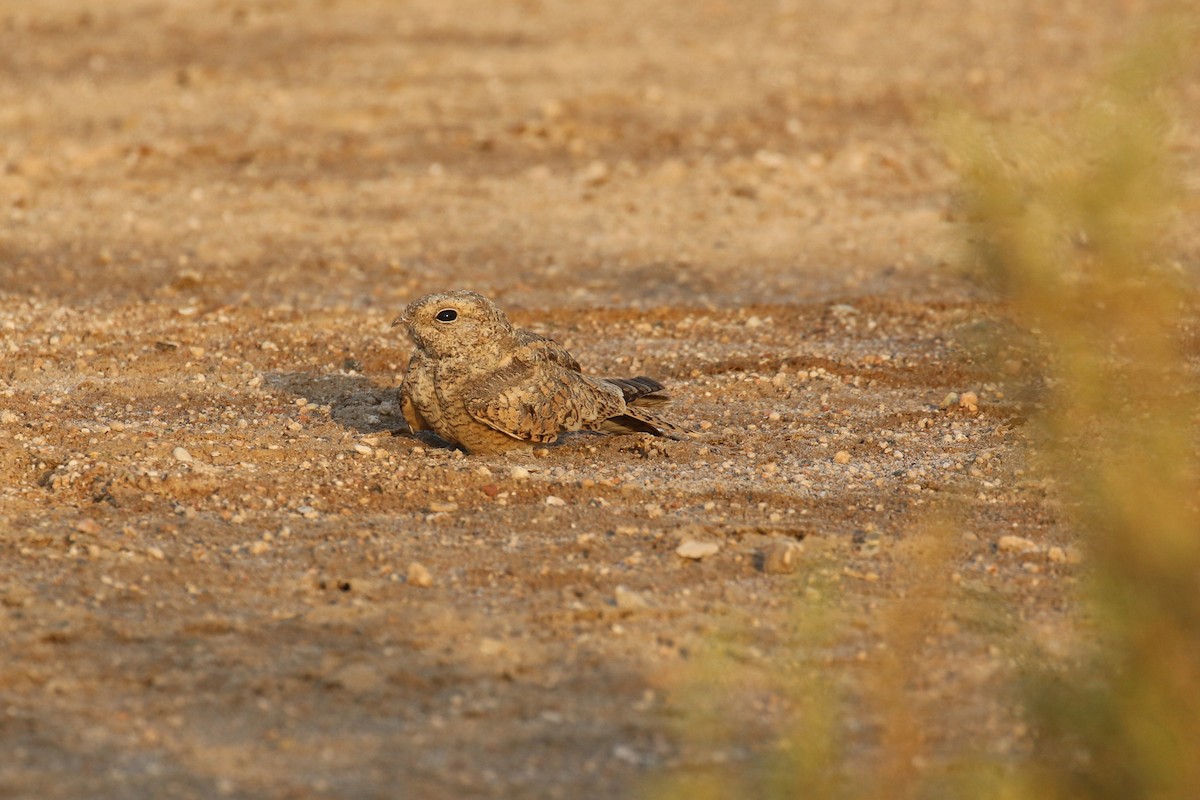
363 449
258 548
1015 544
697 550
949 401
781 557
628 599
594 173
841 457
442 506
155 552
419 575
969 401
519 474
490 647
181 454
1057 555
88 526
7 417
552 500
625 753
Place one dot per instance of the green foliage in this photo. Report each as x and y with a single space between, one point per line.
1067 225
1067 222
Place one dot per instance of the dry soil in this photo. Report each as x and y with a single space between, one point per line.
220 574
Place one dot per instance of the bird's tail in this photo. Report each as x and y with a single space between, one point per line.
641 390
639 420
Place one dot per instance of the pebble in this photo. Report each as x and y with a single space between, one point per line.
697 550
969 401
841 457
7 417
553 500
181 454
443 506
419 575
1015 544
781 557
628 599
88 526
594 173
156 553
490 647
949 401
364 449
519 474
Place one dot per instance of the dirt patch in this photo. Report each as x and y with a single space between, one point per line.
213 211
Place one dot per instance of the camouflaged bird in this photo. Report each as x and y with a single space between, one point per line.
478 382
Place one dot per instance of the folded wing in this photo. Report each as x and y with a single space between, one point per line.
535 402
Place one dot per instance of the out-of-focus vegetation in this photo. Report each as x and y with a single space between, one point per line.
1069 225
1067 222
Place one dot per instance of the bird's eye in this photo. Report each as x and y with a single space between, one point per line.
447 315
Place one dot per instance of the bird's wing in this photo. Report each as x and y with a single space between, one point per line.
537 401
547 349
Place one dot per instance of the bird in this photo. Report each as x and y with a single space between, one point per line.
486 386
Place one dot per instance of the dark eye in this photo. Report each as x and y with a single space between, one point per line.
447 315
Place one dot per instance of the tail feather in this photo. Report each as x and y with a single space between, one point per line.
640 390
638 420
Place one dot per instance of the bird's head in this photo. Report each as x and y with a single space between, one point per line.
455 323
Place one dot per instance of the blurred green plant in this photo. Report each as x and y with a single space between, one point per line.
1069 224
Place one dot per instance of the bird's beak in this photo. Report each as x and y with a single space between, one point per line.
400 320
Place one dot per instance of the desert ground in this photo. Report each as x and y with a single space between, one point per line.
221 574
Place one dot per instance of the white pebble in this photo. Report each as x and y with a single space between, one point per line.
628 599
1015 544
552 500
697 550
181 454
519 474
419 575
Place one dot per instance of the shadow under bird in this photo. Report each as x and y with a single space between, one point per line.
480 383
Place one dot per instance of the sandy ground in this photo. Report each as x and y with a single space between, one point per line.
211 211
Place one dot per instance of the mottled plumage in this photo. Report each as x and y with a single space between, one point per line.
476 381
